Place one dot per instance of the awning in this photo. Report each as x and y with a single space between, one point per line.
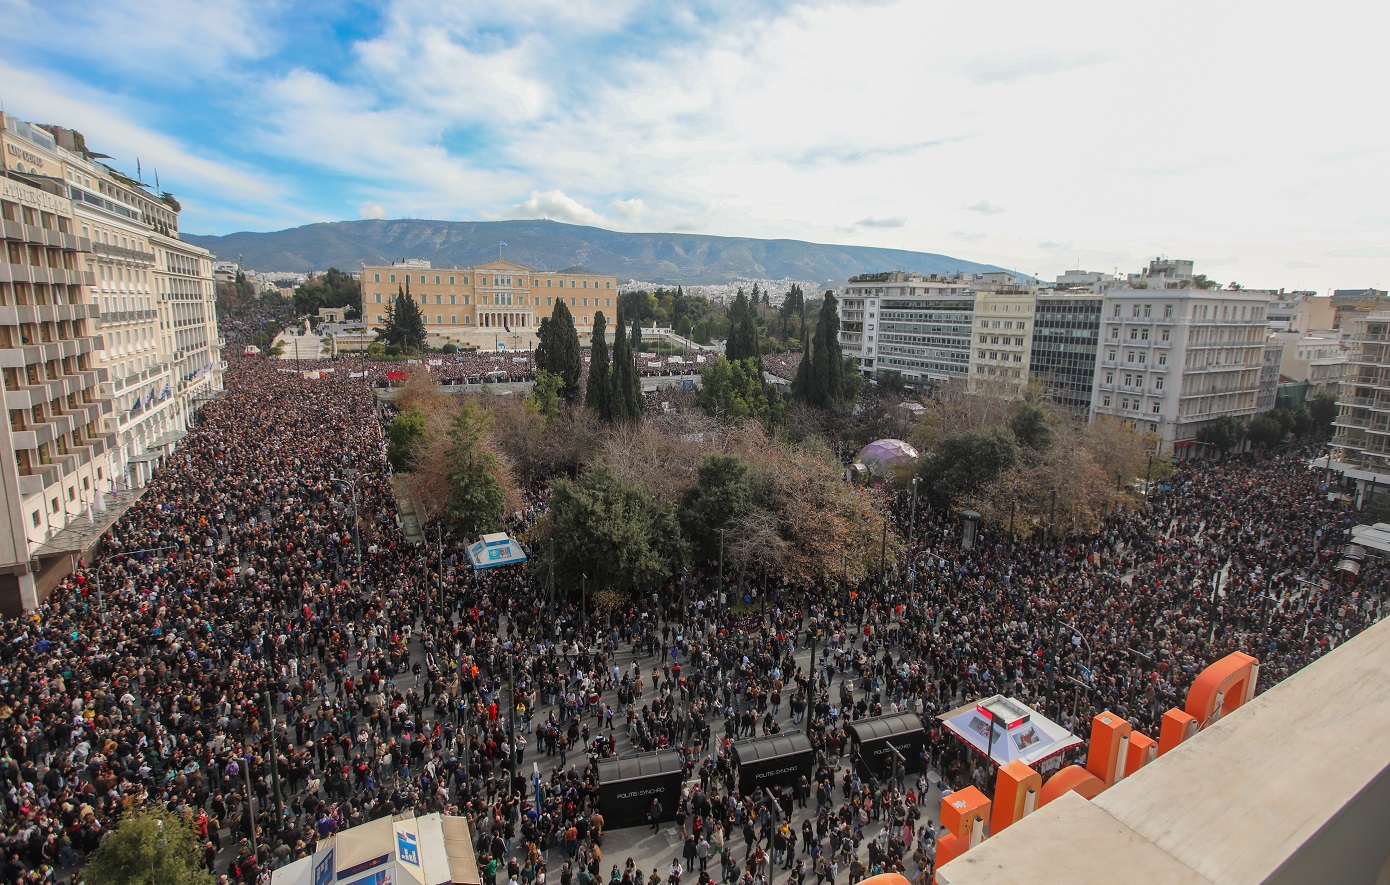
1004 730
495 550
1372 537
81 533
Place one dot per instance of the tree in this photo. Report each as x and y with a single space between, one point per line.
625 394
1264 431
743 334
1225 433
720 495
733 390
404 325
599 389
610 530
636 335
964 463
558 351
477 498
545 394
701 333
683 327
1323 410
406 436
1029 424
148 847
821 378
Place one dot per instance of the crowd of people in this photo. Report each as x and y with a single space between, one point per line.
231 658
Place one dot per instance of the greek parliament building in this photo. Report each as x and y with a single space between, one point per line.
494 306
108 344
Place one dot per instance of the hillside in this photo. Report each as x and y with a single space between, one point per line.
551 245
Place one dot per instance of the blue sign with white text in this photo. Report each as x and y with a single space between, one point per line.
408 848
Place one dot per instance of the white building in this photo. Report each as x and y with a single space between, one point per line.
1174 358
55 450
920 326
1320 358
1003 339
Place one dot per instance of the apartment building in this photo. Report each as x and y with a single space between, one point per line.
1066 338
55 451
921 326
495 305
1361 433
1003 338
1174 357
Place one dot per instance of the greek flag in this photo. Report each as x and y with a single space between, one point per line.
500 244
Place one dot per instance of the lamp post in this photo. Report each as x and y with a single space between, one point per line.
356 533
912 521
1076 632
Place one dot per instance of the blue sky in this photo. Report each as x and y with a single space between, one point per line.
1034 136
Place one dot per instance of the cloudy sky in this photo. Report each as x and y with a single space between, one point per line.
1040 136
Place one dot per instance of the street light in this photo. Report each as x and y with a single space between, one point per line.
1076 633
356 520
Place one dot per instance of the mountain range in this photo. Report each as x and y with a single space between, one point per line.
668 258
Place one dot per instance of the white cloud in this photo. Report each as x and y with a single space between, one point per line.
556 205
984 207
371 210
1008 68
628 210
968 236
882 223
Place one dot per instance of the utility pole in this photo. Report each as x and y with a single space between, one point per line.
250 808
511 719
883 557
811 680
274 764
721 561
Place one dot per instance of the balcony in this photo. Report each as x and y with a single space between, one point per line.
122 252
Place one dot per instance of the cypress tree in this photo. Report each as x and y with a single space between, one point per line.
596 394
625 394
558 351
820 379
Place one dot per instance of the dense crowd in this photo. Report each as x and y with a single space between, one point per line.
232 592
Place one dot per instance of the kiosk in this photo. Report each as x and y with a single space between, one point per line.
879 743
627 785
776 760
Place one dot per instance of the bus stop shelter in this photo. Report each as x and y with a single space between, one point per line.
778 760
880 743
627 785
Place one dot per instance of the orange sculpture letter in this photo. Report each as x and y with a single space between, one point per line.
1177 727
1109 748
1016 794
1222 688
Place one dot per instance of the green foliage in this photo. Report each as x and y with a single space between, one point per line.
721 494
406 437
823 378
599 389
636 339
477 500
449 348
545 394
734 391
684 327
965 463
1322 409
558 351
1225 433
331 289
701 333
405 324
743 333
1030 427
625 391
149 847
1265 431
611 530
171 201
640 306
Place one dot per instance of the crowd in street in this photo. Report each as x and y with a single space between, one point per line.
232 595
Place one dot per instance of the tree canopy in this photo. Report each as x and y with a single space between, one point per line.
611 530
148 847
733 390
404 325
822 378
558 351
964 463
625 393
598 391
720 496
406 436
477 498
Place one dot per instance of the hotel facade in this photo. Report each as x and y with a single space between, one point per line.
497 305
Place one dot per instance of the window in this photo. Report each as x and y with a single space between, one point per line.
439 320
1143 357
1111 356
1163 336
1148 311
453 319
378 298
1163 359
610 302
1135 312
451 281
1109 377
573 284
1158 384
436 279
1167 311
547 284
453 299
465 281
1115 334
438 299
572 300
34 518
983 339
376 278
1117 313
422 278
586 302
393 278
1018 342
608 285
1155 408
586 284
